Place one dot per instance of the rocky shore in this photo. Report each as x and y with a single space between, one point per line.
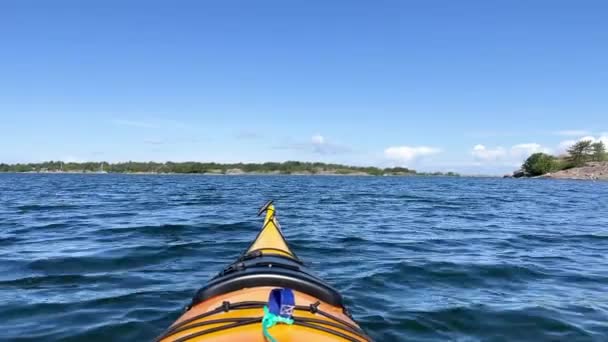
591 170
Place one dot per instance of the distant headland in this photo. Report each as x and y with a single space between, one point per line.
584 160
268 168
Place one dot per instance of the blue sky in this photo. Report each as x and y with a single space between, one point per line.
470 86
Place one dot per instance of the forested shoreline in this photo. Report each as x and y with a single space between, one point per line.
288 167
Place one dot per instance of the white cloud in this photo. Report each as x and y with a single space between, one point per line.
482 153
572 133
564 145
503 156
409 153
317 139
587 138
603 138
525 150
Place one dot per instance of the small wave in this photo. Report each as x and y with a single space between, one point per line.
45 227
564 238
48 207
9 240
147 229
469 275
71 280
352 240
108 215
132 330
37 281
481 321
201 201
182 228
232 227
331 201
137 258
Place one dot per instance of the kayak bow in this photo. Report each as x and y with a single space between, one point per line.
242 302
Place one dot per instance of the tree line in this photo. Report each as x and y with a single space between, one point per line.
578 155
288 167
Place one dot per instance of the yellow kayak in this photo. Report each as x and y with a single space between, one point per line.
267 296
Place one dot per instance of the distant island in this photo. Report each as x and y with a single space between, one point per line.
268 168
584 160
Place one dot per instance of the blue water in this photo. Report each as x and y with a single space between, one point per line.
116 257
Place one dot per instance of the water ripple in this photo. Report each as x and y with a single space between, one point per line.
116 257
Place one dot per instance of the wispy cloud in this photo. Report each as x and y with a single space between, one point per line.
321 145
317 144
151 123
168 140
248 135
493 134
404 154
134 123
72 159
154 142
572 133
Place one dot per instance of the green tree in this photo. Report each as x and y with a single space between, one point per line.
539 164
580 152
599 151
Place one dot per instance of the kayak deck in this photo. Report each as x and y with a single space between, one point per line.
270 240
230 307
190 325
